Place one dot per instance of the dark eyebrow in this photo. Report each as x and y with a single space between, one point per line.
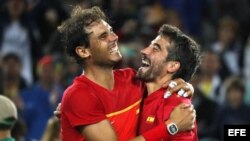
89 33
102 34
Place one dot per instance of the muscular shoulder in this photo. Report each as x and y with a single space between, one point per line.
78 90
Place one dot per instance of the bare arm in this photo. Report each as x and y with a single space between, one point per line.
183 115
101 131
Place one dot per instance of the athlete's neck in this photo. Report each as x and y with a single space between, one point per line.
157 83
4 134
102 76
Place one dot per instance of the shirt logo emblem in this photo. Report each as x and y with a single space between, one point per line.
150 119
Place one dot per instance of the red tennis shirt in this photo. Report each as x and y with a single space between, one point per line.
156 110
85 102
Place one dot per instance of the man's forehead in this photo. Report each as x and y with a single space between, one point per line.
98 27
162 40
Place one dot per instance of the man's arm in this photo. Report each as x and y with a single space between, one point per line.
183 116
101 131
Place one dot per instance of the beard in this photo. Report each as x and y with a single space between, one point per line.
150 74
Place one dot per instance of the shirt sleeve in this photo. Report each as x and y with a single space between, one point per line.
82 107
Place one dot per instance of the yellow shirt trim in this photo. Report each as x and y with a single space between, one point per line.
124 110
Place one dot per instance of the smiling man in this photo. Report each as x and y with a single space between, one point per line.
102 104
172 54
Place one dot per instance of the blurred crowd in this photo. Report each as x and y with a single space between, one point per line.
34 69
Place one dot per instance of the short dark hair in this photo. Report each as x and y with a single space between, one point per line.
73 31
182 49
235 82
11 56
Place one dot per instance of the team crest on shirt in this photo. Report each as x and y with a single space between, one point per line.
150 119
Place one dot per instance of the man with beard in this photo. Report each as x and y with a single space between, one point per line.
102 103
172 54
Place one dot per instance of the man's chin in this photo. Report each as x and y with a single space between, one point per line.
143 70
116 59
141 73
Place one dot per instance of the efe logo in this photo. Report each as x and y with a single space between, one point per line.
236 132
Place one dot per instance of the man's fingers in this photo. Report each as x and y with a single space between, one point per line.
191 88
181 88
178 80
172 84
57 112
183 106
188 115
191 108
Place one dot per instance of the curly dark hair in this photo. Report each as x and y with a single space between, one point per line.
73 31
183 49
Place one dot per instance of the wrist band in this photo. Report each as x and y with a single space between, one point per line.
157 133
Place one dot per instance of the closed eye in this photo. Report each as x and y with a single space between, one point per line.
156 47
103 35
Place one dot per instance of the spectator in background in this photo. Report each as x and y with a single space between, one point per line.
8 117
41 99
234 111
52 131
229 48
239 10
70 70
205 107
19 130
209 78
53 15
173 18
190 12
13 82
19 35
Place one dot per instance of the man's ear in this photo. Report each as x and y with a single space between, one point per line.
173 66
82 51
